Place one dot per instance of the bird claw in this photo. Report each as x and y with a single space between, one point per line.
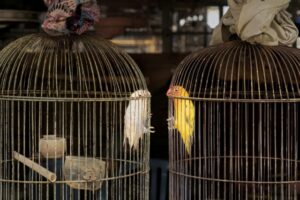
150 130
150 115
171 122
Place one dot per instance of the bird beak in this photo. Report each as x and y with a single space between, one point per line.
169 93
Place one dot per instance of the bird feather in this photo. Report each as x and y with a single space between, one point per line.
136 118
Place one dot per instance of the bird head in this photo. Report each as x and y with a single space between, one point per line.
140 93
177 91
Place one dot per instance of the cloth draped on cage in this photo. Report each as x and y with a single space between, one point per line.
257 21
70 16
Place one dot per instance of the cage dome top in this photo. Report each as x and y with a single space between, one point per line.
82 67
239 71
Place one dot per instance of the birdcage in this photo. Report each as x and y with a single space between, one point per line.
234 123
69 109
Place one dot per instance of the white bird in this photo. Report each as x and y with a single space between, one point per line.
136 118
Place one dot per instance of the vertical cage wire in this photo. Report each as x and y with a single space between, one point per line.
245 140
62 116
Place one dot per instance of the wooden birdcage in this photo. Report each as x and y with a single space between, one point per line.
63 102
234 131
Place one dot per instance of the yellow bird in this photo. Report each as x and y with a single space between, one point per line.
184 120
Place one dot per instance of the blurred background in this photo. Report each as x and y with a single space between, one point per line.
158 34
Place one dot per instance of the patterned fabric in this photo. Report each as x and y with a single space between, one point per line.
70 16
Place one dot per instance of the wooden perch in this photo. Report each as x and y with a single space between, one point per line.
35 167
